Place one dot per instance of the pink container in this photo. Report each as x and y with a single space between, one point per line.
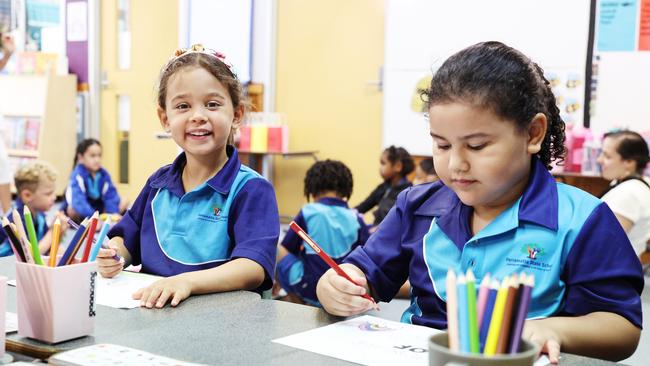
56 304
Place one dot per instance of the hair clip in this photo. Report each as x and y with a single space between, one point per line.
199 48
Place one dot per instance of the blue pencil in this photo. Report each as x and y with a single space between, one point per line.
72 248
100 240
487 313
463 319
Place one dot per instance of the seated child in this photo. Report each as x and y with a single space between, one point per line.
90 187
206 222
495 129
35 185
336 228
395 164
425 172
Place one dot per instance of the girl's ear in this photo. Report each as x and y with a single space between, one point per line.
398 166
238 117
162 116
536 133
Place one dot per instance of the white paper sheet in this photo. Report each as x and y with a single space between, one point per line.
367 340
11 322
116 292
105 354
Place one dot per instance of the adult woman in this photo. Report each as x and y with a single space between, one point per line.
623 160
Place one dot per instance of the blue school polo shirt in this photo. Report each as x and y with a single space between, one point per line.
335 227
232 215
40 226
569 240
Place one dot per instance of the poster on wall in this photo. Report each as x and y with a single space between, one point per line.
616 25
421 34
644 26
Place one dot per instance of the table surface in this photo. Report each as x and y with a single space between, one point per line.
227 328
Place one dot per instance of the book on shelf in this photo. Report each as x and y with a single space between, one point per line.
21 133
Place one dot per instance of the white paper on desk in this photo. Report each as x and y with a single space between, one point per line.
11 322
117 292
367 340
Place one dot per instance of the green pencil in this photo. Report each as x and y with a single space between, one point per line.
32 236
471 309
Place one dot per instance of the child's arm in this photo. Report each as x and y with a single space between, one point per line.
77 196
238 274
600 334
46 241
107 266
340 296
372 200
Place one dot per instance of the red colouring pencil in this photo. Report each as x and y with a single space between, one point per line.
295 227
91 235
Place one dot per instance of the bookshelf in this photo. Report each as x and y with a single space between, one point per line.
40 120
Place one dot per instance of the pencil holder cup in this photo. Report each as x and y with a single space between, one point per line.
56 304
440 355
3 306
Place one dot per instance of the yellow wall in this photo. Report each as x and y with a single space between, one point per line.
327 51
154 38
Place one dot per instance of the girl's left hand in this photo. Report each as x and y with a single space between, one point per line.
160 292
546 338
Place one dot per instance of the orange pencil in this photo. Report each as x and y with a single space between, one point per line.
56 236
504 335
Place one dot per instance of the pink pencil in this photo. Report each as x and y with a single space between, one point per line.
452 312
482 298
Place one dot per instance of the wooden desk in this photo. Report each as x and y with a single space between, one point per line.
593 184
234 328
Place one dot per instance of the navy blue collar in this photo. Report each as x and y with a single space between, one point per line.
221 182
538 205
333 201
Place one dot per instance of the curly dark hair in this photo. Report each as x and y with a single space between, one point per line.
328 175
631 146
395 154
498 77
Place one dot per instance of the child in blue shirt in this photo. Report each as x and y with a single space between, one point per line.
206 222
90 187
35 186
496 128
395 164
329 221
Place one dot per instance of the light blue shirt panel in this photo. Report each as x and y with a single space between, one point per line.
507 246
193 229
334 228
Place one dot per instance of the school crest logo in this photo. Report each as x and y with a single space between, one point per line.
216 211
533 257
532 251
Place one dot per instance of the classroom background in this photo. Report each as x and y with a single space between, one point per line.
327 80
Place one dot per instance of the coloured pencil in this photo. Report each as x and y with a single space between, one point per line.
73 246
487 313
472 328
452 311
91 234
13 240
29 224
497 317
483 292
526 290
100 241
463 319
504 333
304 236
27 248
56 237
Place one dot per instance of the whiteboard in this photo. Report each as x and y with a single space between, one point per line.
421 34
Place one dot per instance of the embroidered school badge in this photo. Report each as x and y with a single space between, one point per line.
216 211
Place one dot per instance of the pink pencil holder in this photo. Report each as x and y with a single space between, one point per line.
56 304
3 308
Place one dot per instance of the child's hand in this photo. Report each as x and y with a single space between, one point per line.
64 221
160 292
107 265
545 337
340 296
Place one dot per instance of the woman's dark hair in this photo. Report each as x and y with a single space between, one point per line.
427 166
328 175
498 77
399 154
83 146
631 146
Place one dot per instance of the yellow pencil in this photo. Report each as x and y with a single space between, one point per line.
56 236
497 318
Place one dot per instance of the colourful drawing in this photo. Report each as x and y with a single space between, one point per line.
374 327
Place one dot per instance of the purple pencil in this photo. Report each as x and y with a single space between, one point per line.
482 299
528 282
